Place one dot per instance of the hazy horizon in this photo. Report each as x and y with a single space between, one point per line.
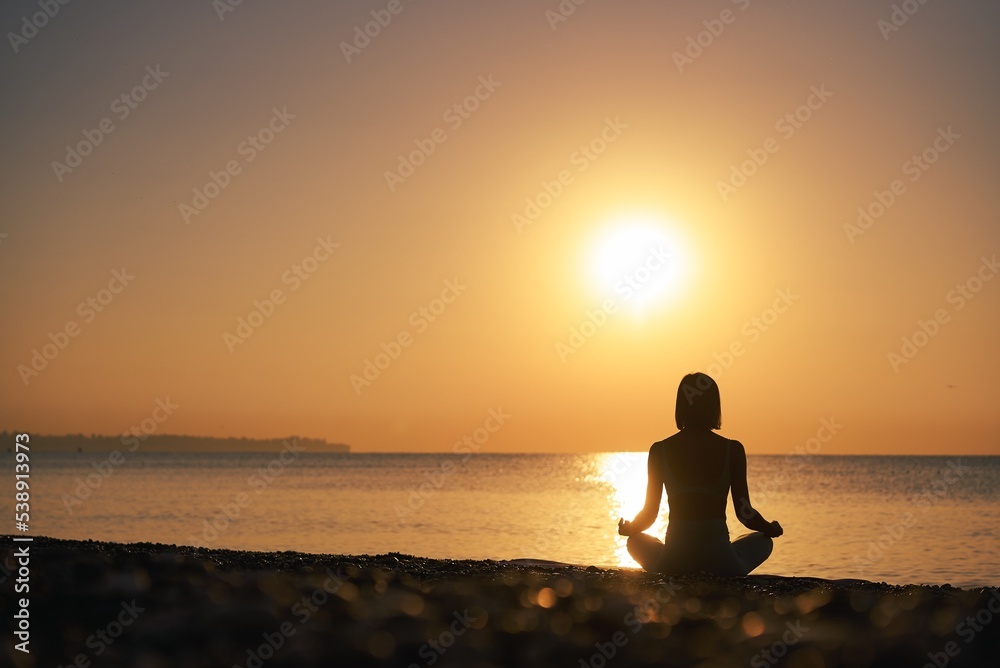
277 224
804 450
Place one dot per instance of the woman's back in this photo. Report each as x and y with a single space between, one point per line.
696 465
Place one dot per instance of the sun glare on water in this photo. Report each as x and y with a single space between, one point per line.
625 475
638 261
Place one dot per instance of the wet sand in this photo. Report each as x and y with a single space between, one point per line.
151 605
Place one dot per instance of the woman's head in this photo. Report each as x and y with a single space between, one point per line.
698 404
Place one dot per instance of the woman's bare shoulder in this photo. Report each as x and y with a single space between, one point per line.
736 447
665 443
668 439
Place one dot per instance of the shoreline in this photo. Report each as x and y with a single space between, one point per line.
431 569
205 607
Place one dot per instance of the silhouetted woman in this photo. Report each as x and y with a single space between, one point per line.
699 467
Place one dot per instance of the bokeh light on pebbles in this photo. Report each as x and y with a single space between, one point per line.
753 624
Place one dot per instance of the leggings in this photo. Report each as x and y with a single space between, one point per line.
692 546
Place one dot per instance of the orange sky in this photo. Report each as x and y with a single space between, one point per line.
743 161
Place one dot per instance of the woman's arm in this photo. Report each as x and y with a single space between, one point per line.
654 492
745 512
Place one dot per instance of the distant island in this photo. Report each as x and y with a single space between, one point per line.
167 443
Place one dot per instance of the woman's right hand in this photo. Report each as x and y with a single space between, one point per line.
624 528
774 530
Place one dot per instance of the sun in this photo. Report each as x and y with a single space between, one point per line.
637 260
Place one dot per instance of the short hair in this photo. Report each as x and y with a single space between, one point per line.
698 403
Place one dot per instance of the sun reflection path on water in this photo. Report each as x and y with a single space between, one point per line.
624 476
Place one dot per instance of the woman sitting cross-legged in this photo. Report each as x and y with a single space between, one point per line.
698 468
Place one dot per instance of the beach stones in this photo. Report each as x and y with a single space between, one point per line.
198 607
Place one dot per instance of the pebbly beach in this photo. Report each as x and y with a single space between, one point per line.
152 605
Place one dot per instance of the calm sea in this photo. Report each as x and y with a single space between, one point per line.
898 519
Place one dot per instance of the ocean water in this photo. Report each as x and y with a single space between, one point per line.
902 520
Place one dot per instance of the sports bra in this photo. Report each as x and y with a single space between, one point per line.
720 488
